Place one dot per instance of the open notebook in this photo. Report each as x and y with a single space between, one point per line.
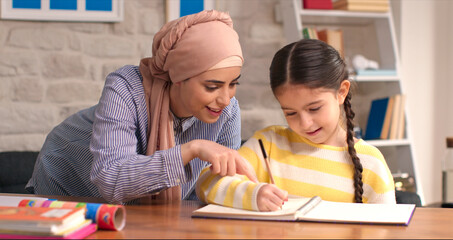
317 210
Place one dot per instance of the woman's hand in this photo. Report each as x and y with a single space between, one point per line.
271 198
224 161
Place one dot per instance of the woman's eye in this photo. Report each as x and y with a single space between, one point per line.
290 114
211 87
233 84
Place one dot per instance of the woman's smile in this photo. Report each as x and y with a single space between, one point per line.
214 112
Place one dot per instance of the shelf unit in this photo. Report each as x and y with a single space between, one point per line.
373 36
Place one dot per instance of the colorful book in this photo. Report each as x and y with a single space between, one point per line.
317 210
401 118
333 37
362 5
396 114
376 118
387 119
310 33
79 233
107 216
317 4
43 221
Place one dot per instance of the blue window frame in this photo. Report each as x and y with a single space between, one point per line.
179 8
62 4
98 5
27 4
63 10
188 7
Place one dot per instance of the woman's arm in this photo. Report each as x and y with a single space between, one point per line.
119 135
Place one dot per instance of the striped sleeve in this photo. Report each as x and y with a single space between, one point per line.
231 191
236 191
118 171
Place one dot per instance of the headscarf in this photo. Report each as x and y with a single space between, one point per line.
183 48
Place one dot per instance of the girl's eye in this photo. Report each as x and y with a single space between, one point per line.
288 114
314 109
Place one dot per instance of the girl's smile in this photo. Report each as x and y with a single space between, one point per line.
314 113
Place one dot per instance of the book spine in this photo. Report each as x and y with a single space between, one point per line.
107 216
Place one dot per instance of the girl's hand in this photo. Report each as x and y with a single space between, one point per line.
224 161
271 198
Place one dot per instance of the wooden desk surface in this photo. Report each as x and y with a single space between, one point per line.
173 220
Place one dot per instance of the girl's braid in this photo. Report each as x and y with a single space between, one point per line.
358 169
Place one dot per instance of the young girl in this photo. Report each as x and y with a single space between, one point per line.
317 154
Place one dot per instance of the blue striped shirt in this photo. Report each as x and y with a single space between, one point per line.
100 151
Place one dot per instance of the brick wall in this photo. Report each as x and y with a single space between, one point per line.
50 70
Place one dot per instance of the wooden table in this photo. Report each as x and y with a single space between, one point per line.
173 220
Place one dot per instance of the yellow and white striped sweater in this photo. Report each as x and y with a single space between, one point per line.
303 169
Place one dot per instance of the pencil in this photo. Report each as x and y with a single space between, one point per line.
266 160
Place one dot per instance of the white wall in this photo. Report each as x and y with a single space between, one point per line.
426 33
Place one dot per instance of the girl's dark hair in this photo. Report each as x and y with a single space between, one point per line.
316 64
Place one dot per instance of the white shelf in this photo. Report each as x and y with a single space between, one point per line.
387 143
375 78
370 34
342 14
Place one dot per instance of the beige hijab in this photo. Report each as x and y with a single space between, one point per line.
182 49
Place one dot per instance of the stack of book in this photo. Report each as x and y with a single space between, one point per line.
333 37
42 218
386 119
42 223
362 5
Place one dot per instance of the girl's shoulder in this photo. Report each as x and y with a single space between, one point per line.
275 132
364 148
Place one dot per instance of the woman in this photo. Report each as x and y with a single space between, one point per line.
156 125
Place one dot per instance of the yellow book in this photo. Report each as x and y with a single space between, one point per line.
401 119
395 117
333 37
388 117
361 5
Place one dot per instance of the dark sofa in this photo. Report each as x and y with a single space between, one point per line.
16 169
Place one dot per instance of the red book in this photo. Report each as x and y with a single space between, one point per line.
41 221
317 4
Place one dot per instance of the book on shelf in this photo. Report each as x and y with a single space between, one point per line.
317 4
362 5
44 222
400 121
310 33
376 118
386 119
317 210
398 118
333 37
